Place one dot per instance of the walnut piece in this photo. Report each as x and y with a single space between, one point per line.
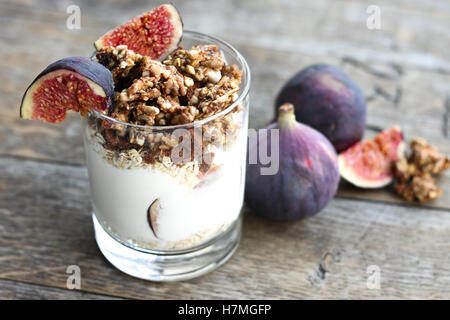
189 85
414 175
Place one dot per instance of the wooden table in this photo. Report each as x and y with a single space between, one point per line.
403 69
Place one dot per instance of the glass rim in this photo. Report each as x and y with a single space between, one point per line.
243 93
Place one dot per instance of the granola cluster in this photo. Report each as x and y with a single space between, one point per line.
189 85
213 84
415 174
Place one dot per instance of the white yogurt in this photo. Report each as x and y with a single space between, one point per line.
121 199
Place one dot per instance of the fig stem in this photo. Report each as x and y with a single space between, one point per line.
286 113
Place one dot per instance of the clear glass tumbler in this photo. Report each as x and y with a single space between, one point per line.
167 206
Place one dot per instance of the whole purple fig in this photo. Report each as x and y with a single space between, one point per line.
326 99
307 176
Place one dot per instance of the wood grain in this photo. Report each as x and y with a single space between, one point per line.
48 227
316 27
13 290
381 84
63 143
403 70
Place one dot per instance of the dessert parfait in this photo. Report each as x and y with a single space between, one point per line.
166 166
164 122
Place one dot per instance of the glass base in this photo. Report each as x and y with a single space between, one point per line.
167 265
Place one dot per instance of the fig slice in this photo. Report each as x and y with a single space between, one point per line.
369 164
153 212
74 83
155 33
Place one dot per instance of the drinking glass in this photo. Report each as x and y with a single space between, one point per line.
167 200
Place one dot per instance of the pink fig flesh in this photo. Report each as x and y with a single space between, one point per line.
155 33
369 164
153 213
74 83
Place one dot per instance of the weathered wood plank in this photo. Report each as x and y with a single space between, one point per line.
420 110
13 290
64 143
322 28
45 226
388 194
48 22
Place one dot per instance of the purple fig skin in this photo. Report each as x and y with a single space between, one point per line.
326 99
307 179
86 67
152 215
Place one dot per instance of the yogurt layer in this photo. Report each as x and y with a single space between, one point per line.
188 213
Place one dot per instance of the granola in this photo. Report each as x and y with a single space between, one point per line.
190 85
415 174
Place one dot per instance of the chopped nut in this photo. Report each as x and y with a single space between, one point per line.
188 81
420 188
194 100
189 85
214 76
414 175
193 53
190 69
427 157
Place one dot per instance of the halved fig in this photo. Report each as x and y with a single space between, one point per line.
369 164
74 83
153 212
155 33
